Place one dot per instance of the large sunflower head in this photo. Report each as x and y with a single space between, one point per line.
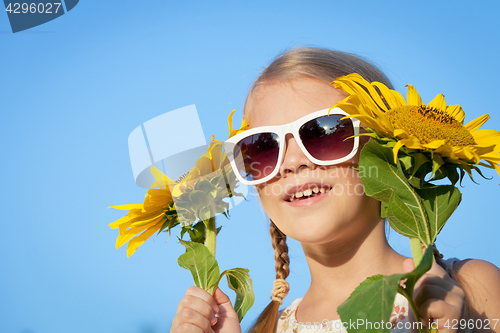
434 130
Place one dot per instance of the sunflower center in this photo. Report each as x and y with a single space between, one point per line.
429 124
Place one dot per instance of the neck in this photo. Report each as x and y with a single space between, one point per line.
339 266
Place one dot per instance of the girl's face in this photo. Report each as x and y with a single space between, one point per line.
324 217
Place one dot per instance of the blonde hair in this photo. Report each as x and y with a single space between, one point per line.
325 65
318 63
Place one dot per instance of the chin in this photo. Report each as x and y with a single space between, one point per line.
310 228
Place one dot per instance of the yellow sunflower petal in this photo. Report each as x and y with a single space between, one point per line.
476 123
469 153
243 127
345 83
215 150
204 165
400 133
127 207
117 223
395 150
392 97
230 123
157 199
374 94
438 103
370 122
139 240
347 107
456 112
412 96
493 157
124 238
487 134
435 144
497 168
128 234
486 138
161 180
141 222
136 215
412 142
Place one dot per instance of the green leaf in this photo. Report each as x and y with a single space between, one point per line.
170 222
238 279
453 174
401 218
201 264
437 162
439 202
388 182
407 161
372 301
418 160
412 210
196 232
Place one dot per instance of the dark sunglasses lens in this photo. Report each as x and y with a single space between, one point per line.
325 138
257 155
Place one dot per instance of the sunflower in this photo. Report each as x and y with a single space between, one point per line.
168 203
143 220
435 128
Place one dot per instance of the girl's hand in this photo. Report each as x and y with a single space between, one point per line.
196 313
437 298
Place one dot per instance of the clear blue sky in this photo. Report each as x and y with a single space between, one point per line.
73 89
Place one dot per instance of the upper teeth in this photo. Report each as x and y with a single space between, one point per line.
307 193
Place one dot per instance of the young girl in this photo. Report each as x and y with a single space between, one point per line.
338 226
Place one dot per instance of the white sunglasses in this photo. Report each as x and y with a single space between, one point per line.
324 137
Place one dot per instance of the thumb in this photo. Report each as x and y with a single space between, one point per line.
224 303
408 265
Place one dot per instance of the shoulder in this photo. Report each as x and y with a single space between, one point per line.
286 318
480 280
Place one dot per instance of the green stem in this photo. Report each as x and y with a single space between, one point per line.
416 250
413 307
210 234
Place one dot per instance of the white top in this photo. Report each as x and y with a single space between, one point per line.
287 322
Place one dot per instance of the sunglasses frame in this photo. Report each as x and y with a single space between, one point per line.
282 131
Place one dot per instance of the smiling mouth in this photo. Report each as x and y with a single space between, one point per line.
309 193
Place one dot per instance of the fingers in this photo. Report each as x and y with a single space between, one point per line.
436 275
224 304
453 298
196 312
438 299
188 320
195 292
441 313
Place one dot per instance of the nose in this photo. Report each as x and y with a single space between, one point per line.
294 159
